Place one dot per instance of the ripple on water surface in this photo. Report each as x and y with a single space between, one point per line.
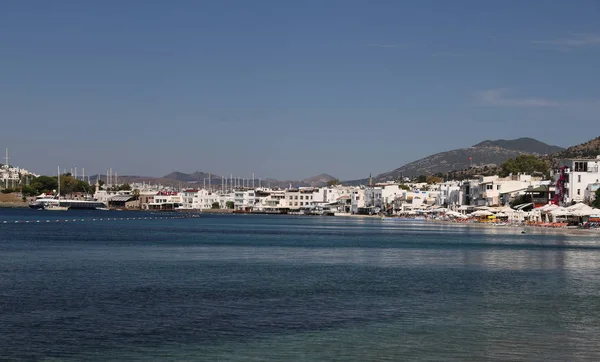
294 288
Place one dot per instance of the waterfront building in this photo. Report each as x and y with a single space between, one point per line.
449 194
204 199
304 197
497 191
187 198
573 177
390 192
269 201
146 197
244 200
165 200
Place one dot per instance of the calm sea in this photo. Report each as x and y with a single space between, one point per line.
269 288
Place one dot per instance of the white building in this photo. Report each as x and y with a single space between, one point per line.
390 192
497 191
300 198
11 176
244 200
493 190
187 198
268 200
590 192
574 176
449 194
204 199
165 200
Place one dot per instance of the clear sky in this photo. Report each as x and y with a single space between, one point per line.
289 89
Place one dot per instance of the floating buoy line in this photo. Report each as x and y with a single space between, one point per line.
95 219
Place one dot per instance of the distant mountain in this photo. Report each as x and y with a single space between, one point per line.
319 180
197 179
315 181
487 153
147 179
179 176
525 144
589 149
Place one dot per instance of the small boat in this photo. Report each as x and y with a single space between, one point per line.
523 232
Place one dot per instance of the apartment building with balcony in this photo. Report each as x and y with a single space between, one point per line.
573 177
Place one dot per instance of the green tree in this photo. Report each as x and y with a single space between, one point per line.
523 164
68 184
44 184
333 182
230 204
29 191
596 202
433 179
216 205
124 187
404 187
82 186
422 178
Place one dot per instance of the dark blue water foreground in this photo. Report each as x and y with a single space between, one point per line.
267 288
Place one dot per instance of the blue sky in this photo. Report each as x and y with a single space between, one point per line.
289 89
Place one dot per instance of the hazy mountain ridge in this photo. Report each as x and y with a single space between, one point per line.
589 149
197 179
485 157
488 153
524 144
315 181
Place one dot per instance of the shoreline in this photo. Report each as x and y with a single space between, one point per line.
13 205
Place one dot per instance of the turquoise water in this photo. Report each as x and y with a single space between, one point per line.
268 288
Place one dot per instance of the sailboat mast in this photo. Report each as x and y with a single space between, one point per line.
58 194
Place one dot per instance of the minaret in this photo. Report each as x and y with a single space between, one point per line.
370 180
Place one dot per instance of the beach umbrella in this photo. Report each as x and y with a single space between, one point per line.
480 213
578 206
584 211
561 211
548 207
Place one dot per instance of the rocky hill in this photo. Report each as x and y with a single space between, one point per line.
319 180
524 144
589 149
487 154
